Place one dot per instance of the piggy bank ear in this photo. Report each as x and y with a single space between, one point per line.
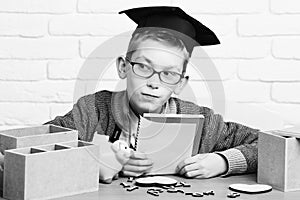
120 146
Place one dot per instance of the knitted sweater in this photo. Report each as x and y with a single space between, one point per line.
104 111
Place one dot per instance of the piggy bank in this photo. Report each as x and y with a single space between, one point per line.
112 157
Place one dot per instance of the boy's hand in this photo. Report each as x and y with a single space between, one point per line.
137 165
202 166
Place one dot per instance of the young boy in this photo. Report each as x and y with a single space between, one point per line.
154 68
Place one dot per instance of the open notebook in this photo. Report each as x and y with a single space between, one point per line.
168 139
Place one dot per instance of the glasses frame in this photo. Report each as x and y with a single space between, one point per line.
154 72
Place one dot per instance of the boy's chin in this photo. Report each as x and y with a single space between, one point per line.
149 109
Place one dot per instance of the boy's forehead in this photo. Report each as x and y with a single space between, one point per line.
151 46
159 53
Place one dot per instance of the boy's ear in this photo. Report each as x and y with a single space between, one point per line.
181 85
121 67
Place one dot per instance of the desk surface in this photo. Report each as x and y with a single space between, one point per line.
219 185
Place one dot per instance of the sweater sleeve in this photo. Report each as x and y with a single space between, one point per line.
83 117
234 142
64 121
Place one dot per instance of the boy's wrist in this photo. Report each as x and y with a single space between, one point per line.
224 163
236 161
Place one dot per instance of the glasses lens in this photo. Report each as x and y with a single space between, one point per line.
142 70
170 77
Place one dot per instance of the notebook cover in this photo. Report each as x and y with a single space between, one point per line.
168 139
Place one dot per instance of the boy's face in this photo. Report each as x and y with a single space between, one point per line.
149 94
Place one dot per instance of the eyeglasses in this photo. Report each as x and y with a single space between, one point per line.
145 71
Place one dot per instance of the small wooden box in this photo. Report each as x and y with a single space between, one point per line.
51 171
279 161
34 136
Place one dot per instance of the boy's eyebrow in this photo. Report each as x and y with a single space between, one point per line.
151 63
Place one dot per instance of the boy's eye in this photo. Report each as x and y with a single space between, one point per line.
142 67
168 73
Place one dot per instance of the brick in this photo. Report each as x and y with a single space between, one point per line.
195 90
205 93
284 7
268 25
222 7
114 6
98 69
104 47
286 48
22 25
60 109
18 70
269 70
254 115
64 69
42 91
95 25
28 48
286 92
23 113
96 47
94 86
288 112
240 91
216 23
207 69
233 47
37 6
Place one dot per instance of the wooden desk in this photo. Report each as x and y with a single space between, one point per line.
219 185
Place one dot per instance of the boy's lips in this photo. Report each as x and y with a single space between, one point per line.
149 95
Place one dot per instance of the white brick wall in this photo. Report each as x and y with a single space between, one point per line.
94 25
23 25
37 6
44 48
51 51
285 7
268 25
18 70
114 6
286 92
286 47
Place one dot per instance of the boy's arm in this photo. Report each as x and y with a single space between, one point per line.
64 121
236 143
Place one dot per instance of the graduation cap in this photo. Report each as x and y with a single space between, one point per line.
190 31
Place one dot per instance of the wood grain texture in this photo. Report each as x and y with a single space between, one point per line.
34 136
51 171
279 161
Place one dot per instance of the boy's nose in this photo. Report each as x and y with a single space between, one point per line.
153 81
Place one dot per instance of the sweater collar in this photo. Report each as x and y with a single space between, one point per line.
121 110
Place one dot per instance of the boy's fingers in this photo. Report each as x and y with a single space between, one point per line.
185 162
199 173
190 160
190 167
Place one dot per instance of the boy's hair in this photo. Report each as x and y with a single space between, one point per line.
157 35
